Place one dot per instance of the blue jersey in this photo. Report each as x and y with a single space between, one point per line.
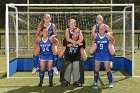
102 52
50 30
46 50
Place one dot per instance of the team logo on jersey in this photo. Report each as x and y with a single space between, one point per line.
102 42
73 49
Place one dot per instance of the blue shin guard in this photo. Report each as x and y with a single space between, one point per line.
41 75
96 76
109 75
55 60
35 59
50 74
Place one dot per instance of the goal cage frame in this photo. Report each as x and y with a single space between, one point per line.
12 65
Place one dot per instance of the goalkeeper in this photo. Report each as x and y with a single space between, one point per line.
72 62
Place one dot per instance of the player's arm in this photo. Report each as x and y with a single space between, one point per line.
61 54
93 45
67 36
112 39
54 40
55 30
80 40
93 29
36 41
36 46
37 31
93 33
109 30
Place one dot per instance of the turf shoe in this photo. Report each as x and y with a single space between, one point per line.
34 70
55 70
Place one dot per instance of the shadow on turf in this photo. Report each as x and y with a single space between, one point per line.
58 89
3 75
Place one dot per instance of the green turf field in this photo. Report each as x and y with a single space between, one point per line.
29 85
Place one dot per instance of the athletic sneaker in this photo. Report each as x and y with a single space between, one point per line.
77 84
111 85
40 84
35 69
55 70
94 84
65 84
50 84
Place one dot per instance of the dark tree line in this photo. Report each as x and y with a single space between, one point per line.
136 2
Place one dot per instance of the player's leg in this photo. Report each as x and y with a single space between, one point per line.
109 73
96 73
112 52
76 74
55 52
83 52
41 72
35 59
65 75
50 72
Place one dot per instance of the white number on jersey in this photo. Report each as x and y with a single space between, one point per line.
101 46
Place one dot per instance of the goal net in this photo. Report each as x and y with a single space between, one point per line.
23 19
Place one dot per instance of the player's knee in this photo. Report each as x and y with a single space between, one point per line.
42 68
97 68
90 51
50 67
36 53
107 69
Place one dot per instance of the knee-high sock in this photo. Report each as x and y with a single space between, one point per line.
35 59
41 75
96 76
109 75
55 60
50 74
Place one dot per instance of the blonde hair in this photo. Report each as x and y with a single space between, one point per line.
47 14
99 16
72 20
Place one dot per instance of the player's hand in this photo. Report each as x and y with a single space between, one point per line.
74 42
80 44
51 37
69 45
